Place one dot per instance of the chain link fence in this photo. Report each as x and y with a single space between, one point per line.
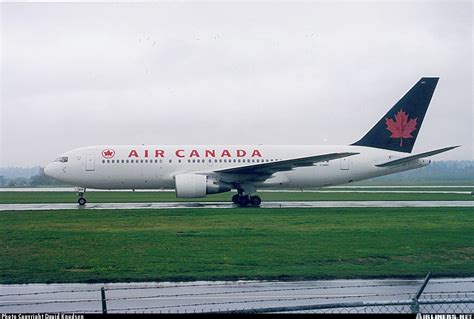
379 297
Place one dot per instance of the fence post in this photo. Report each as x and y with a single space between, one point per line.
415 305
104 302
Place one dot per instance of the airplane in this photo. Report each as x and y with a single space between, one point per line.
195 171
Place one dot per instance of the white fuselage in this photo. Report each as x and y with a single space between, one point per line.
155 166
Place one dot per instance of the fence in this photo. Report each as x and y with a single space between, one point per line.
442 296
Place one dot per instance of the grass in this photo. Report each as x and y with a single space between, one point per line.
215 244
129 197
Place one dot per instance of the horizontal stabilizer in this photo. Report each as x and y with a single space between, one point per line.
416 156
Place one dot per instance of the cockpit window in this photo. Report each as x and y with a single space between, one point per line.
62 159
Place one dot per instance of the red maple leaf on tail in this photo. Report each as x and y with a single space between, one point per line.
401 127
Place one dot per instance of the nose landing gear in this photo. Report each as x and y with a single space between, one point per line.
80 192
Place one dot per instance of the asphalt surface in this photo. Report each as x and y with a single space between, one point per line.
221 205
222 296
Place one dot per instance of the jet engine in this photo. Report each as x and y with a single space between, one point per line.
195 185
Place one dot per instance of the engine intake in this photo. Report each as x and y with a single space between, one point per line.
190 185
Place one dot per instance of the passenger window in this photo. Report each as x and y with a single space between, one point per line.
170 161
103 161
127 161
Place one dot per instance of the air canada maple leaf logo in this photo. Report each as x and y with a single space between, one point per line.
402 127
108 153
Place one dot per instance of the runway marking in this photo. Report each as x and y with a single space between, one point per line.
224 205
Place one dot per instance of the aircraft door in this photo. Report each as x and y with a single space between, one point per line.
90 162
345 163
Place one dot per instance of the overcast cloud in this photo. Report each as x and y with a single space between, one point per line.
227 73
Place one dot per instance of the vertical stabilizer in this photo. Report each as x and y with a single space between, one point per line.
397 130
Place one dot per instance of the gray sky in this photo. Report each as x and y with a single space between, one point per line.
227 73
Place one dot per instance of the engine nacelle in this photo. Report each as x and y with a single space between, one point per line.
190 185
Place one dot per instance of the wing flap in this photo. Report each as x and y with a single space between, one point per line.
269 168
416 156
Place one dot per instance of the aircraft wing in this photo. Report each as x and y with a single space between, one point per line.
416 156
283 165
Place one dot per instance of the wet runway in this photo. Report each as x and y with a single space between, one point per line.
231 295
223 205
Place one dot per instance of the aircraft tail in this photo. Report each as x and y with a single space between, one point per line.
397 130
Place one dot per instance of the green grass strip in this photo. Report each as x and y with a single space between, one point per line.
228 244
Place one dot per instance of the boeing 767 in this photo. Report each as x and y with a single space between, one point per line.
197 170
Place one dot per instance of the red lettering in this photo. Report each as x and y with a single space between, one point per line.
194 153
210 153
241 153
225 153
178 153
159 153
146 153
133 153
256 153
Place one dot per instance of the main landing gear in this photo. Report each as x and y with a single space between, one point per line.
81 201
244 200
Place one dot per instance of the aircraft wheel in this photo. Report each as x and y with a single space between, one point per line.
243 201
255 200
81 201
235 198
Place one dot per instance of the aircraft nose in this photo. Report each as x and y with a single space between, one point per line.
49 170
